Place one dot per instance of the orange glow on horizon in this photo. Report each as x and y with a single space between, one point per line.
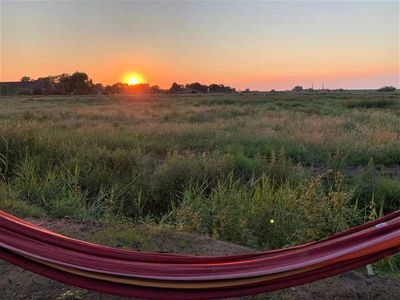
133 79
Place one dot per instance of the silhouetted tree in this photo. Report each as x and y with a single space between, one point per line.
25 79
140 88
49 85
220 88
64 84
197 87
297 88
155 89
97 88
80 83
116 88
176 88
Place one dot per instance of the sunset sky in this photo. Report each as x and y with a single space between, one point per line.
256 45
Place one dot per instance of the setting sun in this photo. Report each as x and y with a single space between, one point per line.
133 78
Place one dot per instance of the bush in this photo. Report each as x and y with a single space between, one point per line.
386 89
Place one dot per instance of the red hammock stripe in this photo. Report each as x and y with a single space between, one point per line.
15 224
360 243
190 271
171 276
171 294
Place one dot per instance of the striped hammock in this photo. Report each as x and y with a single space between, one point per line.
170 276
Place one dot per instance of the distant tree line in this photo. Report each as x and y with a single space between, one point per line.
79 83
124 88
299 88
387 89
197 87
64 84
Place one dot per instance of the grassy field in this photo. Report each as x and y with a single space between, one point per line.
263 170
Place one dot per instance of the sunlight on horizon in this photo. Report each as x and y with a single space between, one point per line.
133 79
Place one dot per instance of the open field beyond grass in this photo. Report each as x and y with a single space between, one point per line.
264 170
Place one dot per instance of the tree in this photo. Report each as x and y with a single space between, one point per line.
297 88
49 85
116 88
176 88
197 87
26 79
97 88
220 88
140 88
155 89
80 83
64 84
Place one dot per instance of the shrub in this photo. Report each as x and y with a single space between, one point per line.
387 89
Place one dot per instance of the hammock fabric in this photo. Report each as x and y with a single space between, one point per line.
170 276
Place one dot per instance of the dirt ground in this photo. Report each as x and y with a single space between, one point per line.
16 283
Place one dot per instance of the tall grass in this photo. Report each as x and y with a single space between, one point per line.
244 168
262 214
371 103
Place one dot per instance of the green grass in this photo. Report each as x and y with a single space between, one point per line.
251 213
223 165
378 102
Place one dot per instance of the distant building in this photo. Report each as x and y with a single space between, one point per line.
21 88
